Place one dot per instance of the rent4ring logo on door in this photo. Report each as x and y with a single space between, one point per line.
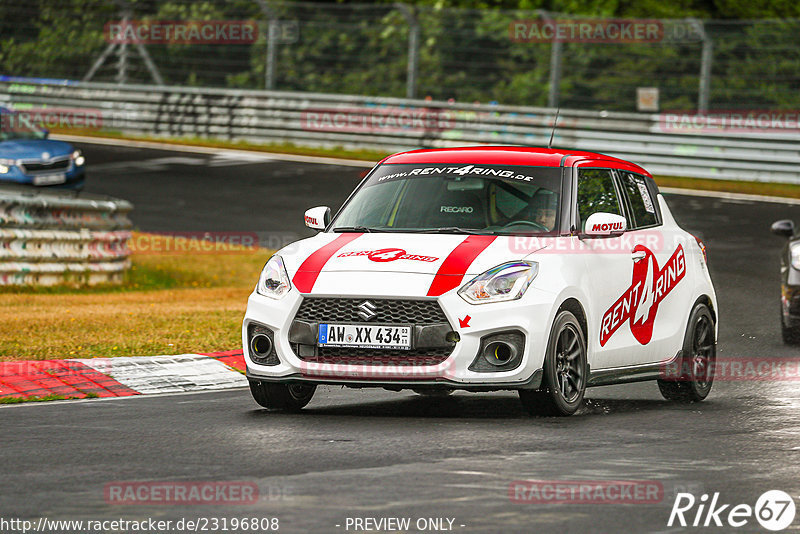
639 303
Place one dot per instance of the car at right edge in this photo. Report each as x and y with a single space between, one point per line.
790 281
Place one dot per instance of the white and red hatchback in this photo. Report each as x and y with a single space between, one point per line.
487 268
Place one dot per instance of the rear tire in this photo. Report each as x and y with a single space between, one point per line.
565 371
285 397
698 356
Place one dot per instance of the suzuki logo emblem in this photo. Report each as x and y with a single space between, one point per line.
367 310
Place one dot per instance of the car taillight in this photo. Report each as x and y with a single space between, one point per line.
702 248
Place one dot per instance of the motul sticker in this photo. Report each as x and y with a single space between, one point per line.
607 227
388 254
639 303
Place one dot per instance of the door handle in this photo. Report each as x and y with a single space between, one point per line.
638 255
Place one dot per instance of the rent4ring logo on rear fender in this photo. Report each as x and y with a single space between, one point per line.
639 303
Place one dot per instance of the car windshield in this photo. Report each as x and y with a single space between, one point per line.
18 126
455 198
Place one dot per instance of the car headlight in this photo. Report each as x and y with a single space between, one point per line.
5 165
795 250
274 282
505 282
78 158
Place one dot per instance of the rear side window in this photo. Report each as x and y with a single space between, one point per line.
596 193
642 205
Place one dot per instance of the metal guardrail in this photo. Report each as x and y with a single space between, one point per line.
394 124
48 238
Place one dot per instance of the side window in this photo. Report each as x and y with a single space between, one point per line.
596 193
644 211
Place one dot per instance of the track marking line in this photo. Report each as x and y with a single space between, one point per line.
367 164
214 150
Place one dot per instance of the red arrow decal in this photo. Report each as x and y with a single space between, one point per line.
464 323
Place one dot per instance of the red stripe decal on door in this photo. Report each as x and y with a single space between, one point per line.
455 266
307 274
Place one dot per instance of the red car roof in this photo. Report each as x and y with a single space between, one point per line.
499 155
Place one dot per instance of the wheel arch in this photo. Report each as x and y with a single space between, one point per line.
573 305
705 299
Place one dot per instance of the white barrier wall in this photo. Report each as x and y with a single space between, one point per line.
48 238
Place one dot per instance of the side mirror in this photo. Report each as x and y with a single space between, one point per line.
318 218
602 224
784 228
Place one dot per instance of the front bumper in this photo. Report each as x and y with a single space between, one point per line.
74 178
531 316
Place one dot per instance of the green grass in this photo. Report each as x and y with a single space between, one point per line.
170 303
19 400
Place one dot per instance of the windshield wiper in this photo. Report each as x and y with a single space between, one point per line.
360 229
457 230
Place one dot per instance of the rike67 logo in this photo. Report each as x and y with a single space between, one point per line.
639 303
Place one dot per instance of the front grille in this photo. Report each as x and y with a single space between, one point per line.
388 311
32 167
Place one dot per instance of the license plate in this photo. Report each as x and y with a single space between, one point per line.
50 179
365 336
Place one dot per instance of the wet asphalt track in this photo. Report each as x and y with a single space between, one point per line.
373 453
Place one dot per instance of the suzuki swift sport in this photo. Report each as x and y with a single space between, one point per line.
487 268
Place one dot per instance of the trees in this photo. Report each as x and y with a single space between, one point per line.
465 53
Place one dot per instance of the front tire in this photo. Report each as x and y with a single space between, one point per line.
565 371
697 360
284 397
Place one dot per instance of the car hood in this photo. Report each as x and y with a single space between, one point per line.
394 263
34 148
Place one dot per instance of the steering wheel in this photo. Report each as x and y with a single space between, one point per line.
526 223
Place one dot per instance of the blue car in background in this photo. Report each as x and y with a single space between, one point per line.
28 157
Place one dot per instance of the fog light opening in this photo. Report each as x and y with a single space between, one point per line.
499 353
261 345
